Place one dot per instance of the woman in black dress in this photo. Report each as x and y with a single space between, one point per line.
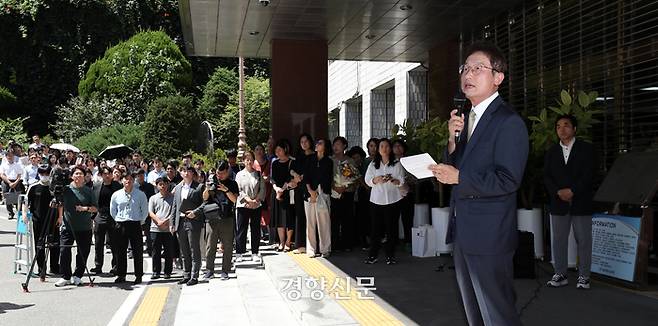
299 166
283 212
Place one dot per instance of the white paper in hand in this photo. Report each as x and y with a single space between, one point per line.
418 165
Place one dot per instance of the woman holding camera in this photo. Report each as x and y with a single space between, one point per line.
75 220
385 176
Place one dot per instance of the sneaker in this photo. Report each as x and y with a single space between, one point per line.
63 282
238 258
326 255
208 276
184 280
138 280
96 270
557 281
223 276
371 260
193 281
583 282
76 281
155 276
167 276
257 259
119 280
391 261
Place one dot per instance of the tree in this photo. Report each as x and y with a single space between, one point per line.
13 129
170 127
137 71
257 115
7 99
95 141
217 93
79 116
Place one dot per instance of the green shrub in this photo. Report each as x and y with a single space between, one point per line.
257 115
95 141
137 71
170 128
217 93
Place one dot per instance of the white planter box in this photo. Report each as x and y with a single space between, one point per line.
440 221
531 221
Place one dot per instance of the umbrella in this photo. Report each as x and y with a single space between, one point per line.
115 151
63 147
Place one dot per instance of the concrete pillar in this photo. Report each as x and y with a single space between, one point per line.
299 88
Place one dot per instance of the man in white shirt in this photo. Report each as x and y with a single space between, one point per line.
157 172
11 172
36 142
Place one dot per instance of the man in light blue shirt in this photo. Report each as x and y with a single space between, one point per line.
129 209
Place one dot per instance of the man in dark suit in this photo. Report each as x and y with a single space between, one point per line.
104 226
485 166
187 197
568 174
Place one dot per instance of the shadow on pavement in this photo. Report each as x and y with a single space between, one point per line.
4 306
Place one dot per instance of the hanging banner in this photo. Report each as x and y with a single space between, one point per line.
614 245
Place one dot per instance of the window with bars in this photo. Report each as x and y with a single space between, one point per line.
594 45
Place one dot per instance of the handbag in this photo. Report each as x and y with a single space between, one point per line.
212 211
11 197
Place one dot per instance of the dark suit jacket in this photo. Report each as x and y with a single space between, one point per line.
97 191
491 165
195 196
577 174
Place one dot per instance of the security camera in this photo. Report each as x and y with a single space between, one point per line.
264 3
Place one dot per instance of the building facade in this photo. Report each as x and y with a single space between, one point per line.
367 98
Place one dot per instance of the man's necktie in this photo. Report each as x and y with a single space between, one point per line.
471 123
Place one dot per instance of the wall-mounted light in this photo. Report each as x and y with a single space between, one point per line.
254 33
370 36
605 98
652 88
406 7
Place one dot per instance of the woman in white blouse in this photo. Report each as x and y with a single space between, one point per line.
252 193
385 175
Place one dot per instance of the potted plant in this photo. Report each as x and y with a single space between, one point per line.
430 137
542 136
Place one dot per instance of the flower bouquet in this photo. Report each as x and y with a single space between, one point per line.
347 175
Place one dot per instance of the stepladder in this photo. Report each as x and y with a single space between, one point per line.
24 245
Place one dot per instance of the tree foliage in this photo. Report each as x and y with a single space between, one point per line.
223 84
95 141
137 71
170 127
7 99
79 116
13 129
257 115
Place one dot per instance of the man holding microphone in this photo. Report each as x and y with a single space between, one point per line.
485 165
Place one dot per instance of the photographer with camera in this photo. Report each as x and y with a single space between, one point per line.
39 203
218 208
129 209
75 220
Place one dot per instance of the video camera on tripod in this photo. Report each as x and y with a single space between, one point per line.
59 179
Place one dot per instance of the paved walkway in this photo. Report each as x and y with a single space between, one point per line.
292 289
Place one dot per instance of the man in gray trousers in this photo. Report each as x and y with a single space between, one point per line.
187 197
568 175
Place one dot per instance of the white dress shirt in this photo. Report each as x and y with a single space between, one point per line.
12 170
566 149
481 108
30 173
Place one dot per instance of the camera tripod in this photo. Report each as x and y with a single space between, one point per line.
42 243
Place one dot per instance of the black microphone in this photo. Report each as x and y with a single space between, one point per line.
459 101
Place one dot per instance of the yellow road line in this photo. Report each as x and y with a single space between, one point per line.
149 311
366 312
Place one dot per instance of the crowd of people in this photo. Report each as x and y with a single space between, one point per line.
315 198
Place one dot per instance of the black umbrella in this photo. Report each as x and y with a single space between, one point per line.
115 151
